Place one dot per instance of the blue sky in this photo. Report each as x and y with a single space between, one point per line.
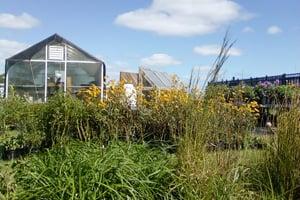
167 35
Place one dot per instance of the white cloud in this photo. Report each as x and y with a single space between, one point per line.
113 68
248 29
274 30
23 21
159 60
213 50
113 72
184 17
9 48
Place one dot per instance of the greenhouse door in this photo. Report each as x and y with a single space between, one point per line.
55 78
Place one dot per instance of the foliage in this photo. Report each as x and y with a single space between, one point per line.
17 114
19 124
13 140
257 141
2 78
161 115
7 181
89 94
64 117
209 132
229 115
272 93
88 171
208 168
283 157
168 110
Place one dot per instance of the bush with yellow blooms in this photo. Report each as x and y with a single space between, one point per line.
162 114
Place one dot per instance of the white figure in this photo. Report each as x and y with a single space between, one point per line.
130 93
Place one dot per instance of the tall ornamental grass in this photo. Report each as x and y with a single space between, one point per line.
84 170
210 167
280 173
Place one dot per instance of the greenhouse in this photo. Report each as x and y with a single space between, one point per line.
149 79
54 64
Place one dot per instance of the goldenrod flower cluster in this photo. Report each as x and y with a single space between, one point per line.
89 94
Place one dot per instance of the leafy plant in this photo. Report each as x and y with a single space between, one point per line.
12 140
83 170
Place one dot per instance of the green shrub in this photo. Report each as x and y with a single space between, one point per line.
227 119
20 124
12 140
83 170
64 117
17 114
257 141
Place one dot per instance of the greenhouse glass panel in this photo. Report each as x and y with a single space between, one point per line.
40 55
149 75
158 79
55 77
80 75
74 54
27 80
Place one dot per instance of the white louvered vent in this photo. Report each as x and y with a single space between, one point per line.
56 52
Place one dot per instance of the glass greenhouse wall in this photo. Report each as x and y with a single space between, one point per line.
52 65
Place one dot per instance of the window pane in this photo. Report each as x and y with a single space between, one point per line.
75 54
55 77
27 79
40 55
82 75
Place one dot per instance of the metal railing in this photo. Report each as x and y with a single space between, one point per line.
283 79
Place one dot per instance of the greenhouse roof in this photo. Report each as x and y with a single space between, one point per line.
157 79
149 78
28 53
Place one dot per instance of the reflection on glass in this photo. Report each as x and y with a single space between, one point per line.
74 54
40 55
81 75
55 77
27 79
